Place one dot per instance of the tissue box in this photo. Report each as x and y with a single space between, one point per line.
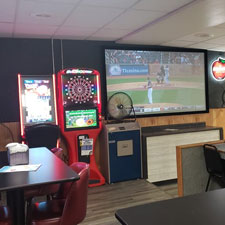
18 154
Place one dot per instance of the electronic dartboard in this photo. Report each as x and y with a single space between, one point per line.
79 111
80 89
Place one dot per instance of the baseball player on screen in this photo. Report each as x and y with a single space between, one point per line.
149 86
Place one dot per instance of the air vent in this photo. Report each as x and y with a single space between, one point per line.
204 35
41 15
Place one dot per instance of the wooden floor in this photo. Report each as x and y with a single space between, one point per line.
103 201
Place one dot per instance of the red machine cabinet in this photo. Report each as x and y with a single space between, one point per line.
79 115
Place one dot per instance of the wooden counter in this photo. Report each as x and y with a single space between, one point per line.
159 147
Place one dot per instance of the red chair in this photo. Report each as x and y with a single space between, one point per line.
58 152
68 211
5 216
78 167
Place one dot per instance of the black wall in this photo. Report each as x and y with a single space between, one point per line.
44 56
23 56
41 57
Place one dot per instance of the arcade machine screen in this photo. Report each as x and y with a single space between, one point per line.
81 119
36 100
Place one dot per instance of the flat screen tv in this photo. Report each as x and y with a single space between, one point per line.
81 119
159 82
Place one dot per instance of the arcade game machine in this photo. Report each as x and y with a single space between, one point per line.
36 100
79 111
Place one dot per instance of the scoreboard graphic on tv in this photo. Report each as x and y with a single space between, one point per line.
79 111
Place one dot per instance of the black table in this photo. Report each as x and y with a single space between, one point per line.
205 208
52 170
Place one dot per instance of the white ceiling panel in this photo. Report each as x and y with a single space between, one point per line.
217 19
92 16
179 23
213 12
28 11
133 19
197 37
204 35
219 48
74 32
125 4
186 21
56 1
109 34
217 6
214 31
7 10
222 26
178 43
203 45
39 31
220 41
162 6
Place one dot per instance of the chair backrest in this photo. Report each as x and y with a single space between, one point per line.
76 200
59 153
42 135
213 160
78 167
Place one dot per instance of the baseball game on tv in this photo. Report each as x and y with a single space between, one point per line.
158 82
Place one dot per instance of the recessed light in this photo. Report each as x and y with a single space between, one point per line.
41 15
204 35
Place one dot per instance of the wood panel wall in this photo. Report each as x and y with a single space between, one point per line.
215 117
9 132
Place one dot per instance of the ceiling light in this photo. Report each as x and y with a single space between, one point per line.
41 15
204 35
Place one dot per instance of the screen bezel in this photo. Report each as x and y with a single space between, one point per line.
156 49
52 100
81 128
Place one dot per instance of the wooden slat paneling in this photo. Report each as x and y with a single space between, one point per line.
9 132
179 171
161 152
215 117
